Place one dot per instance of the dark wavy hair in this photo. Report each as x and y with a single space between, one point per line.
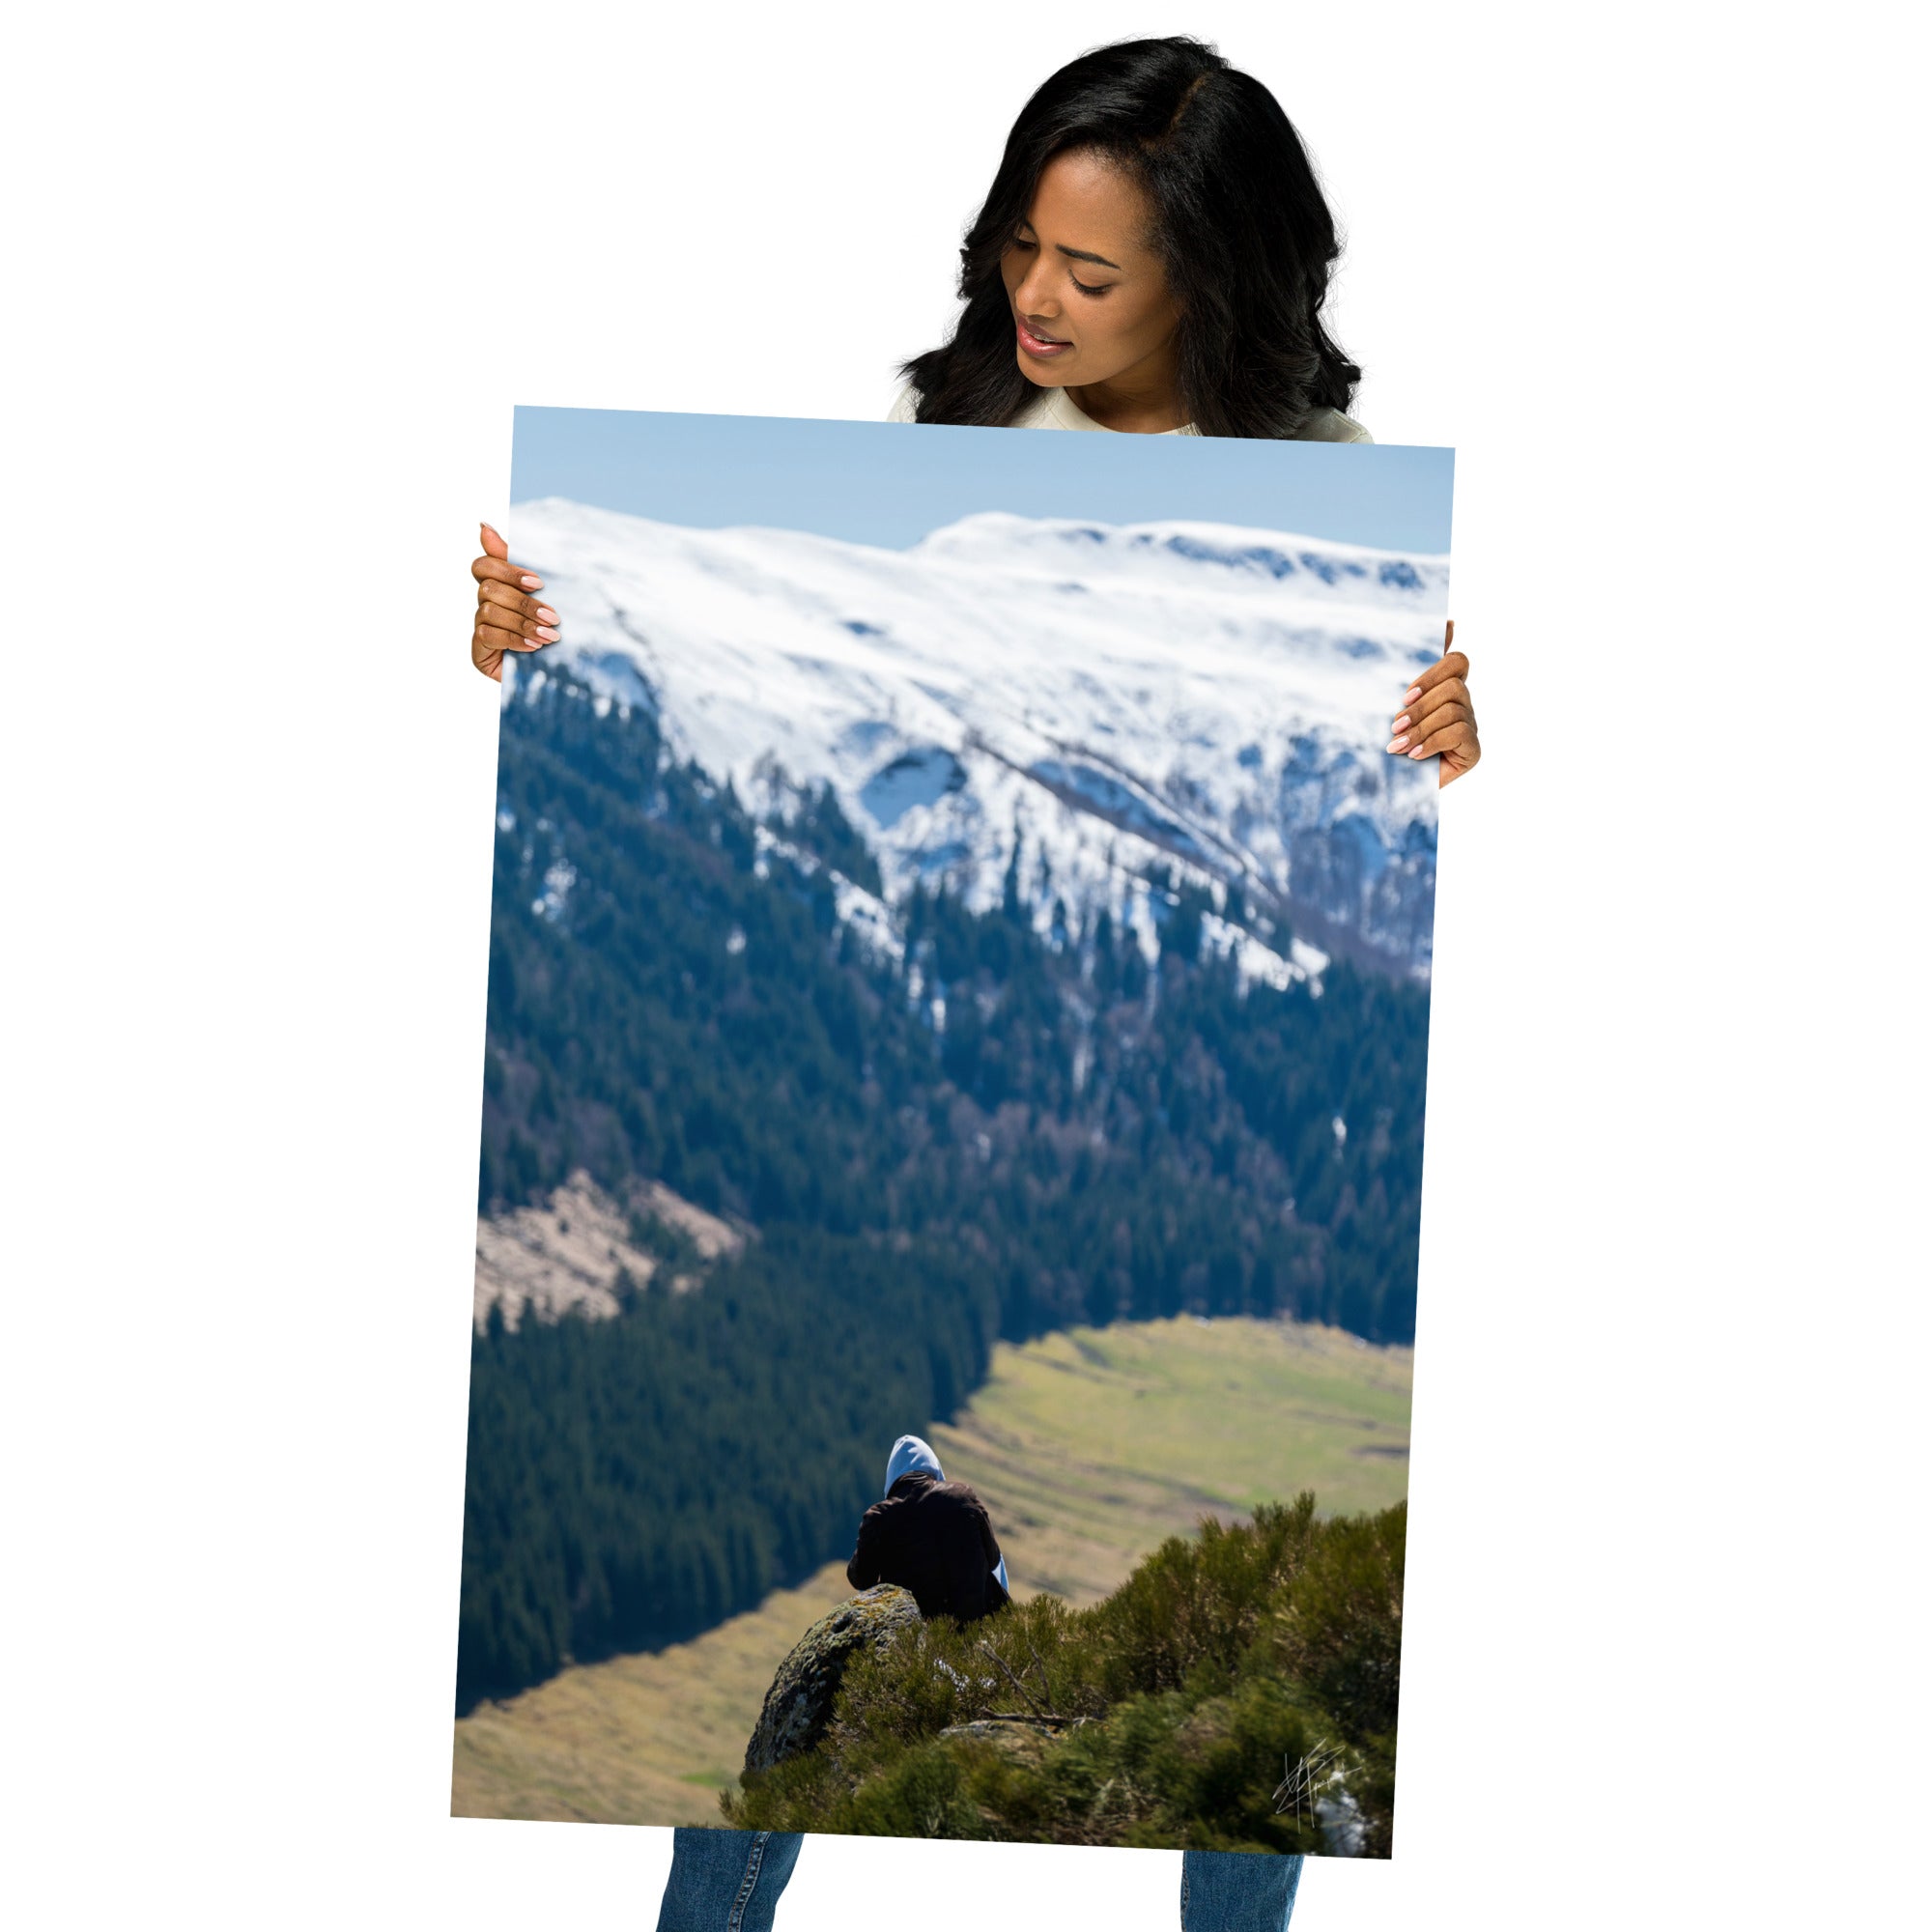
1239 225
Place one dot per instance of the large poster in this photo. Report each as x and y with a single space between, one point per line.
951 1135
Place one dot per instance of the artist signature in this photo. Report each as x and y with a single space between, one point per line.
1307 1778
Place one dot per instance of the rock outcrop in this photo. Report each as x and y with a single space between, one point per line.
798 1707
572 1251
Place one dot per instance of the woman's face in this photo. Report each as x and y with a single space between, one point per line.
1090 300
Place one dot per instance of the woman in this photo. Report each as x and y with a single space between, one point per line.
1152 258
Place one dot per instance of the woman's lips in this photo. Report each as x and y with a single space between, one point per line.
1042 346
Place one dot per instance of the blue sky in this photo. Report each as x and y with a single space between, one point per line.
889 484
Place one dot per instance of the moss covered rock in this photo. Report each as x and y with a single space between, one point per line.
798 1706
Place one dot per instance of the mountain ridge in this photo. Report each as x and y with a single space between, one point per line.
1197 701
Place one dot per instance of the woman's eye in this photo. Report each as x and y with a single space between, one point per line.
1098 289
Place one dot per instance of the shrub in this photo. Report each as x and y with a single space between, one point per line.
1196 1601
1340 1632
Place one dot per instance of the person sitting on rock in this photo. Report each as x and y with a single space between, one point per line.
931 1537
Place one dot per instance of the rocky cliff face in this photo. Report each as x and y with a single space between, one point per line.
798 1707
572 1251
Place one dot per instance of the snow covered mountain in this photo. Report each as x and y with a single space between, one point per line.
1206 701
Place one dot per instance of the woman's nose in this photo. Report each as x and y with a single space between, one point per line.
1035 296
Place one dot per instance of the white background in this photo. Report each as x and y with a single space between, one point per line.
278 276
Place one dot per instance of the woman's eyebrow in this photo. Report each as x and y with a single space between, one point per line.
1086 255
1076 254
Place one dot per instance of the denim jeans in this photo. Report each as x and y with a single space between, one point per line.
730 1880
726 1880
1236 1891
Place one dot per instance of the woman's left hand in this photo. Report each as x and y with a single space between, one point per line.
1437 720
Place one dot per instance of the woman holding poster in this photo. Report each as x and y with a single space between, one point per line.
1152 258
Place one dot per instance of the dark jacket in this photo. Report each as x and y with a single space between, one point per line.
935 1539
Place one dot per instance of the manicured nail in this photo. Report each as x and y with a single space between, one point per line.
1400 722
532 582
1398 745
545 615
548 636
1410 695
1418 753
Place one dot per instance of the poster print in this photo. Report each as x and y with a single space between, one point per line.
951 1135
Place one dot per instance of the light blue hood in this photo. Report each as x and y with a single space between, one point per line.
910 1453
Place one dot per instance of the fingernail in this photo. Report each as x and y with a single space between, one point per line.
1400 722
548 636
1398 744
545 615
532 582
1410 695
1417 752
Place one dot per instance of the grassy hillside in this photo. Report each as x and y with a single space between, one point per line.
1090 1447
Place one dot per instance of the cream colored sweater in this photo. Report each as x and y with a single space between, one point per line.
1055 408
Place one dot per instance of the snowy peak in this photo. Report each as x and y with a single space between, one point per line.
1133 709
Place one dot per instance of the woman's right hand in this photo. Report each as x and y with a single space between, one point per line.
507 618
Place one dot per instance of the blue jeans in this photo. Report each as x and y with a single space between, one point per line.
730 1880
726 1880
1238 1892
